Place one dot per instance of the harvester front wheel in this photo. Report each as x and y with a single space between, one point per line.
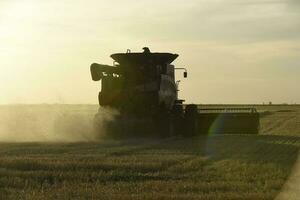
191 120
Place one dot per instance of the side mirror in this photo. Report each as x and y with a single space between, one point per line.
185 74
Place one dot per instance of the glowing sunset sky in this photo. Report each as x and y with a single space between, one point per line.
236 51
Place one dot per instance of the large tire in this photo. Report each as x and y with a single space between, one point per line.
178 121
191 120
164 125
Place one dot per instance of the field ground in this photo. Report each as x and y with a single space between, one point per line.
211 167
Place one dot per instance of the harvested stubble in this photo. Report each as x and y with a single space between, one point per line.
212 167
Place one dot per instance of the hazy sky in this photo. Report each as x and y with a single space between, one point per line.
236 51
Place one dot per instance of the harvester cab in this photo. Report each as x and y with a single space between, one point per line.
143 89
138 82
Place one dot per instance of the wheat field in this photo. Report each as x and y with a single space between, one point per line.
205 167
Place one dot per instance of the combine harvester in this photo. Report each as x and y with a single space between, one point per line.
143 89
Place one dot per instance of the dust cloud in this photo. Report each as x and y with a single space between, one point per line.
51 123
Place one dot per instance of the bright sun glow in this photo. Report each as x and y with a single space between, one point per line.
16 31
47 47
